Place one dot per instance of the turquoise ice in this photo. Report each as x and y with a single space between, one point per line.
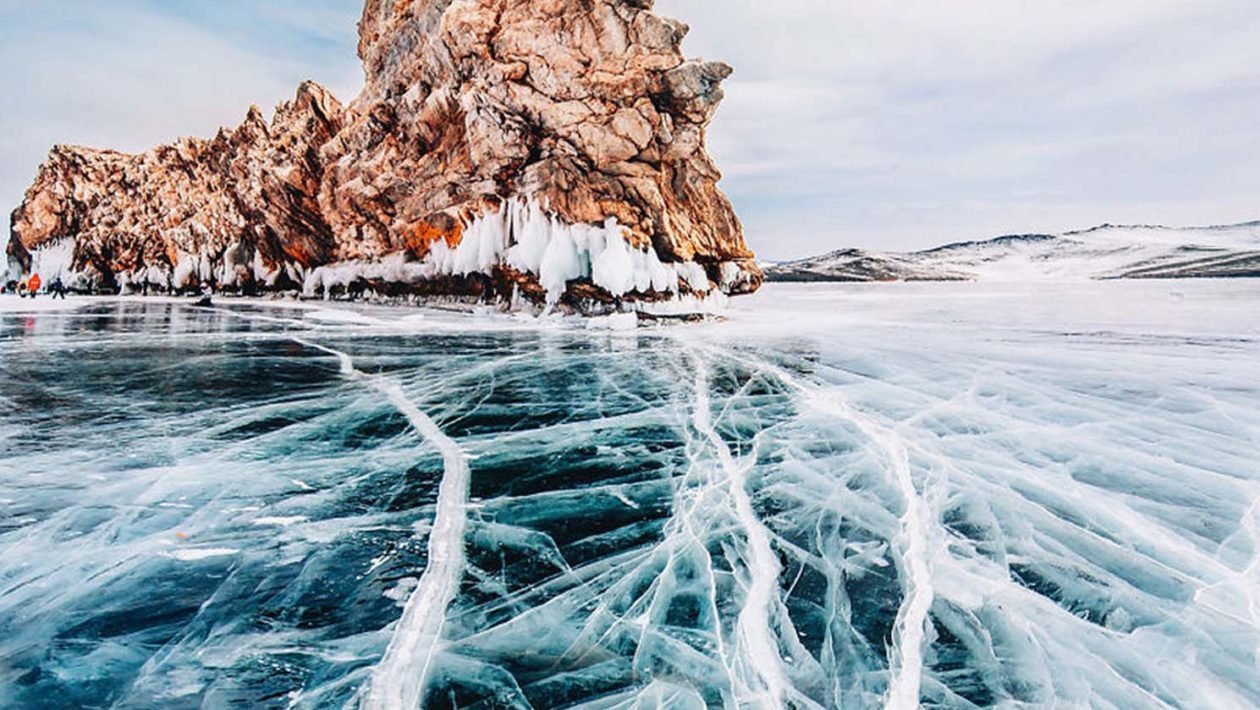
841 497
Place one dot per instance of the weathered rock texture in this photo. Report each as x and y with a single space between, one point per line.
582 111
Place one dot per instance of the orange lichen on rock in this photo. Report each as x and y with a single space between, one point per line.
421 237
299 254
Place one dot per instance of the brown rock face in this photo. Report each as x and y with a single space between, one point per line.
197 208
552 148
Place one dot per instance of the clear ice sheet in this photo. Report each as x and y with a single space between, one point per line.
948 495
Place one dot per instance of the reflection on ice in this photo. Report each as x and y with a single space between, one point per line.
954 496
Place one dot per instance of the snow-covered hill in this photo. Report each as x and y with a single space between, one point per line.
1106 252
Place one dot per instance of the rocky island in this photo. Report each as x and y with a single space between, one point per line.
541 151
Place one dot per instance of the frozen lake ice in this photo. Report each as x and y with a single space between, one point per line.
948 495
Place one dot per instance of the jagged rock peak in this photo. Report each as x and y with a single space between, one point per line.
547 148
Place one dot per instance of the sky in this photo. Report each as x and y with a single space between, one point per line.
848 123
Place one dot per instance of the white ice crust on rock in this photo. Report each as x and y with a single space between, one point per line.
55 260
522 235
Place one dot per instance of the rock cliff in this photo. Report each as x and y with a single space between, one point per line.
552 150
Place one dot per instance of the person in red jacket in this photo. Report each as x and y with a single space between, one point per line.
32 285
24 287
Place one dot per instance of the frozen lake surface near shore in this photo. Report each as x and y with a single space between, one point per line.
959 495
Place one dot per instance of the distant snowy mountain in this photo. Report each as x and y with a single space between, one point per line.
1106 252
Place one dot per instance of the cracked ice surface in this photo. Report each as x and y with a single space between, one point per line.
949 495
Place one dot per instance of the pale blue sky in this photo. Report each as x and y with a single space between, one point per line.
848 122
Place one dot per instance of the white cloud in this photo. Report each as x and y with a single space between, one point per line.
908 123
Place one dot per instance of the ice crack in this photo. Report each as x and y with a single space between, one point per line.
758 656
910 631
913 542
399 681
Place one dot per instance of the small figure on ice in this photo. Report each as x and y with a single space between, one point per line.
57 289
207 296
30 287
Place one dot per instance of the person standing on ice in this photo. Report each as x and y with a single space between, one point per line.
32 286
57 289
